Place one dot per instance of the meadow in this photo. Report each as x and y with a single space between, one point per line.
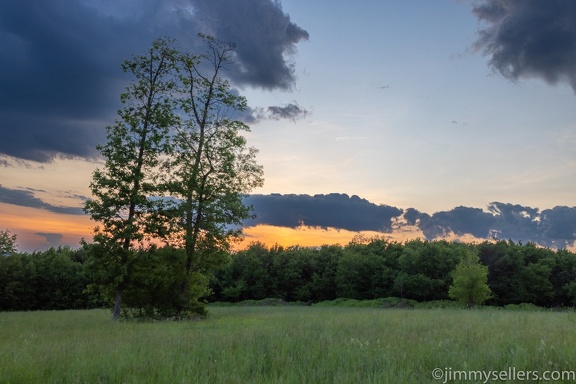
284 344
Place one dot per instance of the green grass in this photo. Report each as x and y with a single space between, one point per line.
293 344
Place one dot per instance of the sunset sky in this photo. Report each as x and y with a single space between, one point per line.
433 119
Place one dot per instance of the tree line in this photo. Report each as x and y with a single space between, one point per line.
65 278
417 269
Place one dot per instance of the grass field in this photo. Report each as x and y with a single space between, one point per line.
284 345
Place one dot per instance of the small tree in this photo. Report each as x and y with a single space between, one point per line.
7 243
470 281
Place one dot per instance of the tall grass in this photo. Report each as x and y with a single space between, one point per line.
281 345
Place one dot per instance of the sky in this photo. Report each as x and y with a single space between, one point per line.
432 119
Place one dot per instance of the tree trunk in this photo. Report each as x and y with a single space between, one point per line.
117 303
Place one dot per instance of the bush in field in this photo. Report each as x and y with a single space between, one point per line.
152 289
528 307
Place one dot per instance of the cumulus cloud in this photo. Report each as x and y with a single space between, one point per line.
529 38
60 76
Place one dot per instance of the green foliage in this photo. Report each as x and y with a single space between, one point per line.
470 281
269 301
563 278
7 243
440 304
369 269
355 276
292 268
246 277
527 307
154 282
53 279
387 302
325 263
17 277
425 269
521 273
60 280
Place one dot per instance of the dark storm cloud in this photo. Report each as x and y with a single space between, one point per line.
291 111
263 34
516 222
9 162
26 198
554 227
558 226
53 80
414 217
502 220
333 210
60 76
530 38
460 221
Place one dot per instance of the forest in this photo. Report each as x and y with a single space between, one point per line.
365 268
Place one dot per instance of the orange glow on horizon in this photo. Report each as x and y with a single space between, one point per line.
26 222
312 236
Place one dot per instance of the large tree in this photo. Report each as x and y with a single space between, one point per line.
211 167
122 189
177 168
